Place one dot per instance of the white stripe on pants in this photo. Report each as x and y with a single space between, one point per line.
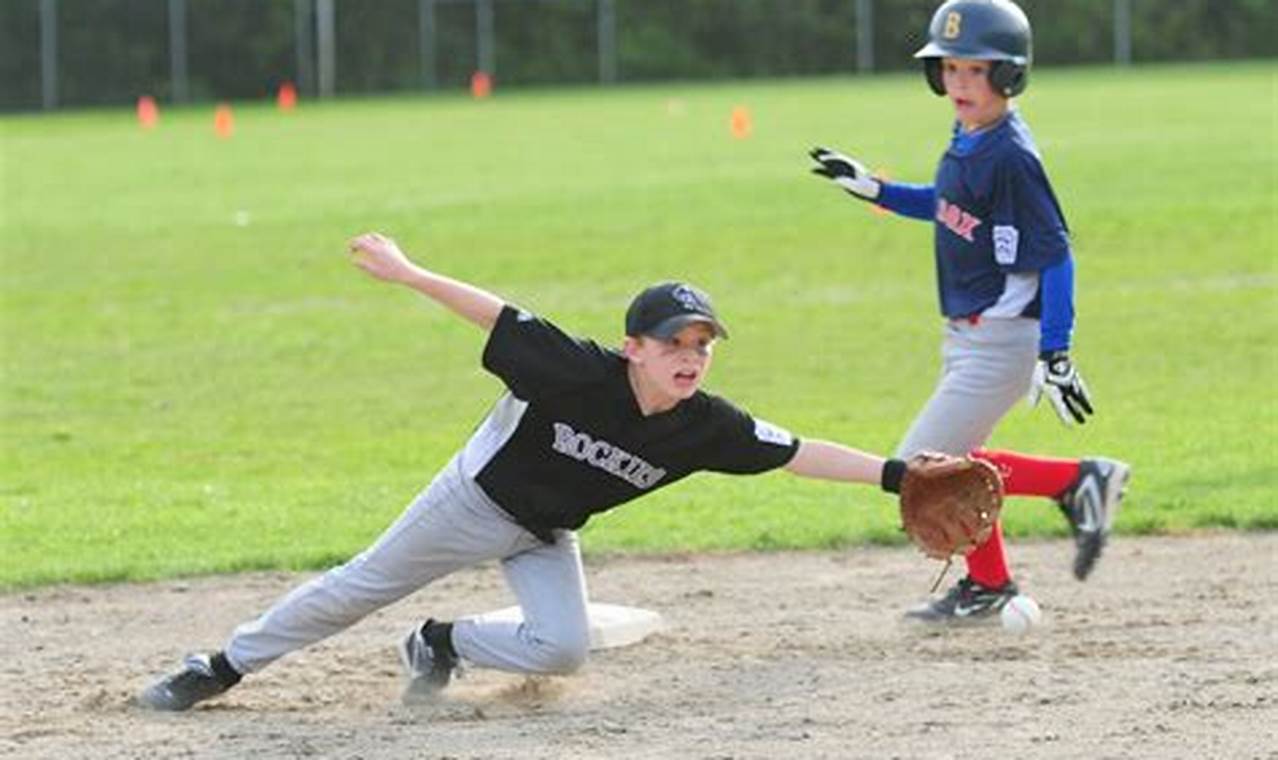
986 368
452 524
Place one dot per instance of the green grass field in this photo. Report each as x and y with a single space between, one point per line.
196 380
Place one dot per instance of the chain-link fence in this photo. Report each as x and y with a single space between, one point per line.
86 52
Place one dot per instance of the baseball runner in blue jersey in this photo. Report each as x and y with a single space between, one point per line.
1005 279
580 429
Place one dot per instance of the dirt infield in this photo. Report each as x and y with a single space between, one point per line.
1170 651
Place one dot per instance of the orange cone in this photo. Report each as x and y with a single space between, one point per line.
148 112
481 85
286 98
223 121
741 124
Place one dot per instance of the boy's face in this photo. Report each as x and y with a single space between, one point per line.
674 367
967 84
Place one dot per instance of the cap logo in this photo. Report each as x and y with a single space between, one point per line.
689 299
953 25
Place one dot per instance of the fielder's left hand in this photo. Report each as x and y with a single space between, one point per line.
1058 379
380 256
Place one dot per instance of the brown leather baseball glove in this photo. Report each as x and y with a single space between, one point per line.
949 504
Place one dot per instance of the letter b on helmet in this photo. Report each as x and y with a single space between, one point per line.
986 30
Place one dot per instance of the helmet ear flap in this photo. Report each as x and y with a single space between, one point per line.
1008 78
932 70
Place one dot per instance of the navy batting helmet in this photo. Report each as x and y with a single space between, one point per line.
987 30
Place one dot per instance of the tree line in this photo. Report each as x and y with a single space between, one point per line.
111 51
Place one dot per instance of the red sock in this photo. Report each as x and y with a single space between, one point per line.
1022 476
1031 476
987 563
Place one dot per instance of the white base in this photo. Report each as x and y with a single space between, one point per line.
611 625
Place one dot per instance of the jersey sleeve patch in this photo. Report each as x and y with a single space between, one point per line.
769 433
1006 241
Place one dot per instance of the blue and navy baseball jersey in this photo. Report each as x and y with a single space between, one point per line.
1002 244
998 223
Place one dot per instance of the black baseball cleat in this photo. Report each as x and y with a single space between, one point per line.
1090 506
966 602
429 659
202 677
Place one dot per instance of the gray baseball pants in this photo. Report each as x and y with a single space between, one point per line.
452 524
986 368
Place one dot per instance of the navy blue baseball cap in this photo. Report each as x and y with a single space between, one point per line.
662 310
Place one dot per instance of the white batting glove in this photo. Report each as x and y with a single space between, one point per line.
846 172
1058 379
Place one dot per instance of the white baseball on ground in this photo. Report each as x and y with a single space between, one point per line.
1020 614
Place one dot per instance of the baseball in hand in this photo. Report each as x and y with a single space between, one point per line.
1020 614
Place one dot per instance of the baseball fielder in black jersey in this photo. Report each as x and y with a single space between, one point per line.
581 429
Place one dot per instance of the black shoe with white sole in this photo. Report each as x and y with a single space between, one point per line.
966 602
1090 505
429 658
202 677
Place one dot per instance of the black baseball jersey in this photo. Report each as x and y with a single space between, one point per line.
568 439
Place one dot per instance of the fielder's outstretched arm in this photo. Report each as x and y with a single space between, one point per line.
833 461
381 257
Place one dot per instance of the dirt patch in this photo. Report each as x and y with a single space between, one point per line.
1169 651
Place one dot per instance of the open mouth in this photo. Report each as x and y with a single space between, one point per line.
685 377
